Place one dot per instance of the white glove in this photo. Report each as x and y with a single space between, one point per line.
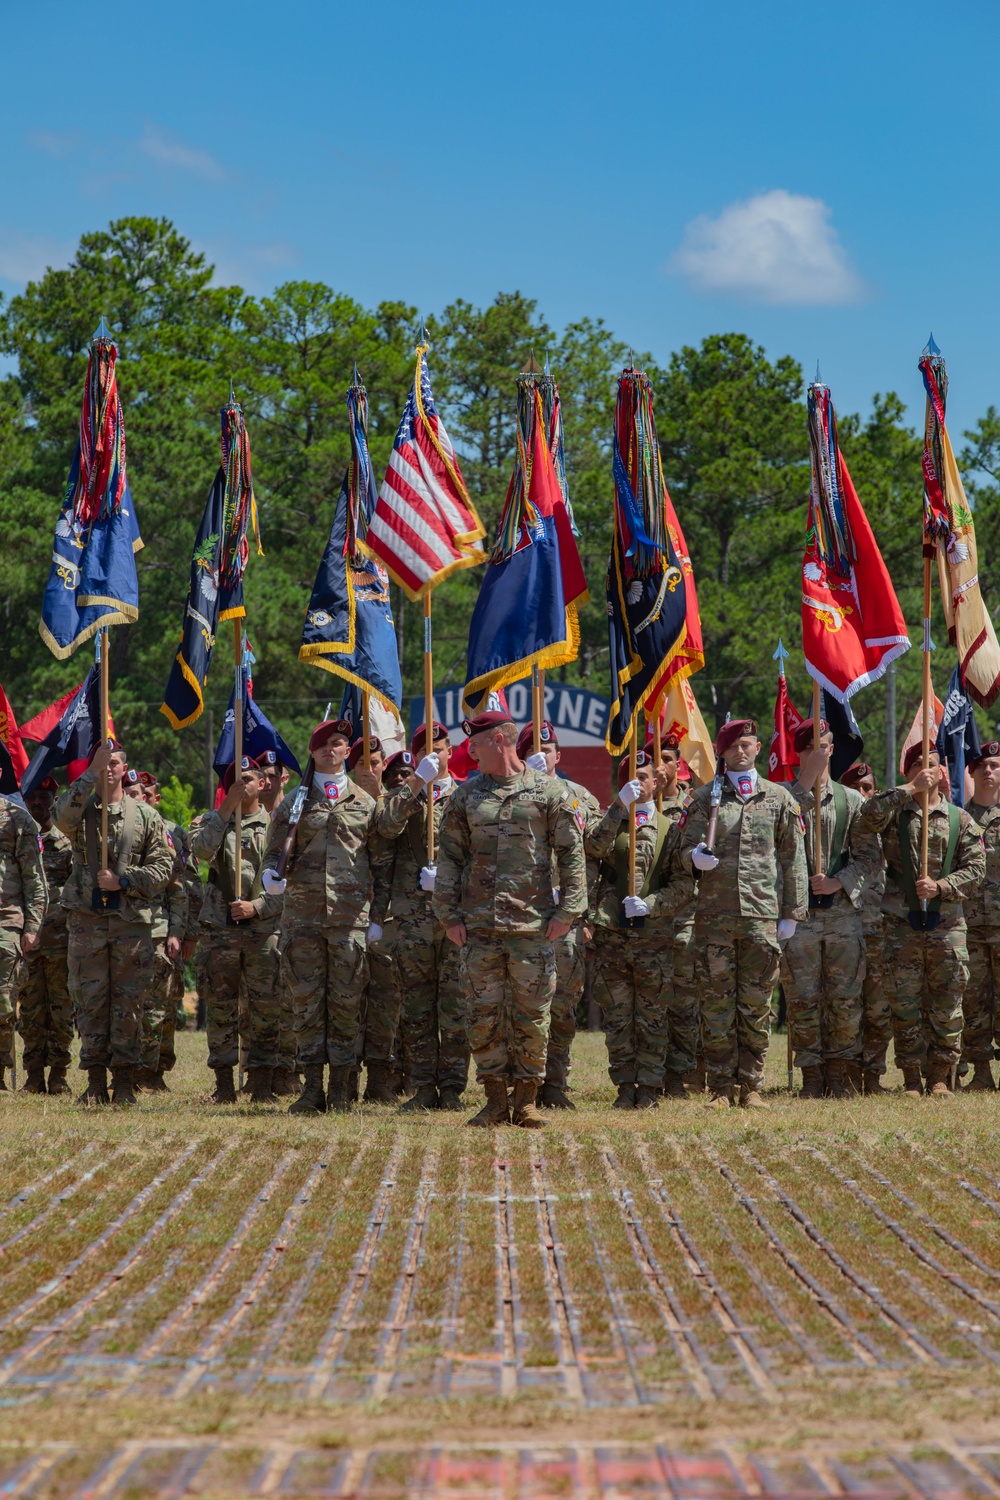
786 929
636 907
374 932
630 792
537 762
555 895
428 768
428 875
702 860
273 885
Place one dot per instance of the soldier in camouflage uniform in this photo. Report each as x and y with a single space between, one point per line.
276 781
823 964
644 1019
493 894
876 1011
45 1011
110 918
241 947
186 924
571 955
431 980
926 951
671 800
22 899
751 893
981 1004
328 887
382 999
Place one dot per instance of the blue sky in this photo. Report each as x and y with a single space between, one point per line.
822 178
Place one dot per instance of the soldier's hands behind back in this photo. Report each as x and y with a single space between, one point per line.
428 875
635 906
702 859
630 792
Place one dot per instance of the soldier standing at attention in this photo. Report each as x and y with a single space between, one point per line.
981 1005
571 955
45 1011
241 939
187 873
643 1019
328 889
752 891
672 800
823 964
925 919
493 895
22 899
110 920
276 779
382 1000
433 1033
876 1012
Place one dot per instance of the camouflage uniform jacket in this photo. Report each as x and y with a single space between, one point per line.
664 902
190 877
401 824
498 840
22 877
881 814
215 842
858 852
57 861
761 873
670 866
150 863
982 910
170 913
871 909
330 872
588 804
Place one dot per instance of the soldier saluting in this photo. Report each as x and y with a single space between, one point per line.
752 890
493 894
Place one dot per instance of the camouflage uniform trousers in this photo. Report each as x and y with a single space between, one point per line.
876 1006
10 963
684 1036
383 998
737 964
241 970
981 1003
110 968
435 1004
823 970
511 979
571 968
45 1011
643 1018
155 1007
930 971
325 973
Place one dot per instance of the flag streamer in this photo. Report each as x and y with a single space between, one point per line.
239 512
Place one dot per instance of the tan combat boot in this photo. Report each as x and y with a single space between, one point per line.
225 1087
673 1086
722 1098
751 1099
285 1083
523 1112
626 1096
451 1099
343 1089
836 1080
938 1077
496 1110
96 1091
424 1099
981 1081
312 1100
646 1097
378 1084
554 1096
871 1082
812 1082
913 1084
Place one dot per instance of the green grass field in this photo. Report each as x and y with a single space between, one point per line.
204 1301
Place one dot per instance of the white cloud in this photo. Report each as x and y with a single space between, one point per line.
777 247
173 153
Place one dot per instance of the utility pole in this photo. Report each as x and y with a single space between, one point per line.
890 725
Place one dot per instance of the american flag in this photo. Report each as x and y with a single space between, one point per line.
424 526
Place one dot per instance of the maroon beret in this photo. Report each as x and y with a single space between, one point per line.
147 778
48 784
327 730
986 752
133 778
668 742
229 774
439 731
115 745
491 719
642 759
856 773
731 732
398 758
916 753
268 760
358 748
802 736
546 735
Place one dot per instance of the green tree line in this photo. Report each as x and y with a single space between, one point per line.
731 425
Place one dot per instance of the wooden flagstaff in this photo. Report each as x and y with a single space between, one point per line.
429 715
238 752
817 791
657 759
632 772
105 736
537 703
366 730
928 696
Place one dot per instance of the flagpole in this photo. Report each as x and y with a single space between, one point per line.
817 791
632 773
105 735
537 695
366 749
238 750
657 759
926 745
429 714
